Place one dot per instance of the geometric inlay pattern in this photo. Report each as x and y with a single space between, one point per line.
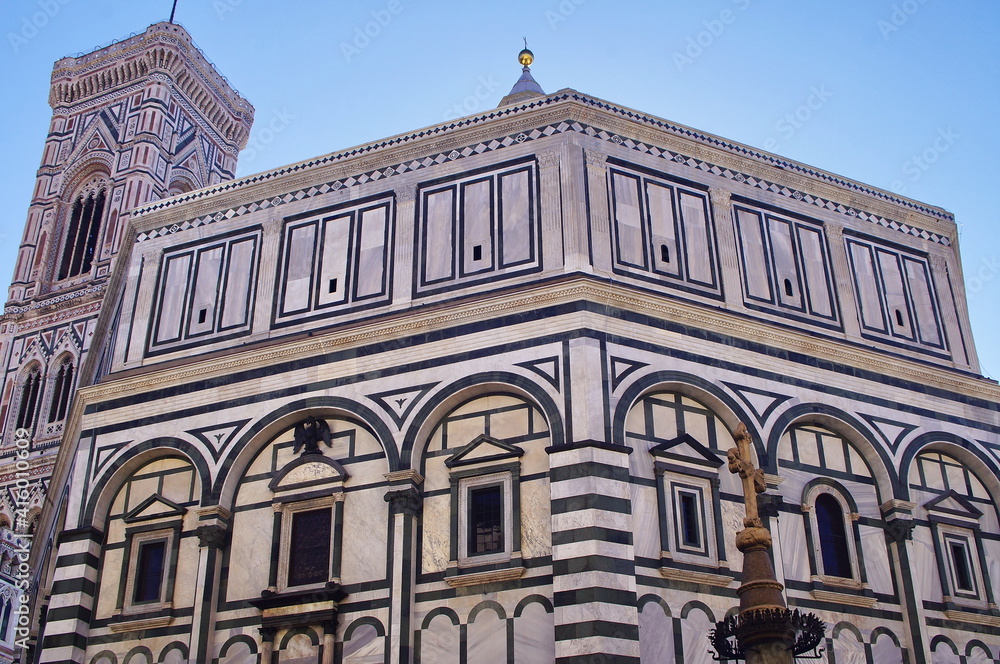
760 402
217 437
394 170
399 403
622 369
891 432
547 368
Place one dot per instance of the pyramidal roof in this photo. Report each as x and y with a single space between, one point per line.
526 86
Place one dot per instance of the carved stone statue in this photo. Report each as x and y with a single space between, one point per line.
308 433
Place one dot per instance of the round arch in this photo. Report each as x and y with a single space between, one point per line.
720 402
887 483
977 460
473 386
111 478
265 429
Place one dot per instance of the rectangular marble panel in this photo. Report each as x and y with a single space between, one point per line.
869 298
816 271
628 220
206 291
663 229
239 279
371 269
516 230
785 262
477 226
334 260
298 268
918 279
172 295
895 294
439 236
756 272
697 239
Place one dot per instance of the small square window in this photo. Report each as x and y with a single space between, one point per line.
485 519
689 521
149 571
309 548
486 524
962 566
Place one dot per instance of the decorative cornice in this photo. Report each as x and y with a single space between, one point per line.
702 578
401 324
851 599
482 578
683 146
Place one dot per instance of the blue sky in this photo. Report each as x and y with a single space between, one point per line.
899 94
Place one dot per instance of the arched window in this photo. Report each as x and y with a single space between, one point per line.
29 400
81 235
62 391
833 543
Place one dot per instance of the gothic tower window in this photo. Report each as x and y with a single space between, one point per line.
29 399
62 391
81 236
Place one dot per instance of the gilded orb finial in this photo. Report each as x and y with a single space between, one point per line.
526 57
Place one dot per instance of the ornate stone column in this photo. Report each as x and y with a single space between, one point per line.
267 635
765 631
329 640
552 240
403 253
405 505
729 250
850 309
598 212
212 535
898 528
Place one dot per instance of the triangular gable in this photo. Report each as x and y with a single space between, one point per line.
308 470
483 449
953 503
686 448
154 507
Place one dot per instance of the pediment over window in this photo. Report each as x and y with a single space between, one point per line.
686 449
954 504
483 449
308 471
154 507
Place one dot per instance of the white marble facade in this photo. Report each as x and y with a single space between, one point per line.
556 316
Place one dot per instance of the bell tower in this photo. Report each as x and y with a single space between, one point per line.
143 119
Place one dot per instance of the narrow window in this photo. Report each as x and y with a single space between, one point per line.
149 571
899 318
29 401
832 537
202 313
332 286
477 252
690 520
486 520
788 287
81 235
309 550
62 392
963 570
664 253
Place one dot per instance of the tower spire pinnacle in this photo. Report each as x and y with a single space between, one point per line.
526 86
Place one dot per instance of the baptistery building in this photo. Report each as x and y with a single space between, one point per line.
465 394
